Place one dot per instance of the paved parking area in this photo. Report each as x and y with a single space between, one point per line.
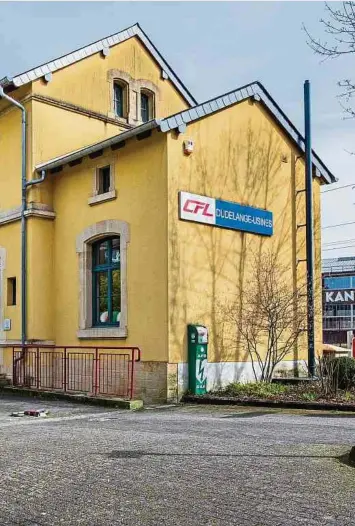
56 408
176 466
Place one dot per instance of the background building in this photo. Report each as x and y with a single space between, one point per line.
338 299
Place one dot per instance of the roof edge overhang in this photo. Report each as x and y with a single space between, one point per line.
179 121
86 51
57 162
255 90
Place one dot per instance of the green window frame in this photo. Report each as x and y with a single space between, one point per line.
119 96
106 281
145 103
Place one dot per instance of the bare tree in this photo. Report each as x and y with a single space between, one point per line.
328 374
339 25
273 316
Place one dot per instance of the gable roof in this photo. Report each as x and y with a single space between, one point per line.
254 90
96 47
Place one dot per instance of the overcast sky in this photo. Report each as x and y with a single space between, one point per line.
214 47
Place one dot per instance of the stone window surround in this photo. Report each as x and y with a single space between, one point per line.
134 87
111 194
84 241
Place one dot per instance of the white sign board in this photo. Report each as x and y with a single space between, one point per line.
7 324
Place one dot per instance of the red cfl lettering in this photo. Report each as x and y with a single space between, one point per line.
194 206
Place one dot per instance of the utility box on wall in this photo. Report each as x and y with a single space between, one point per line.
197 338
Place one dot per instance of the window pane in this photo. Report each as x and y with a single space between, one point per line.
102 297
116 251
116 282
343 310
118 91
116 296
338 282
104 179
102 253
144 107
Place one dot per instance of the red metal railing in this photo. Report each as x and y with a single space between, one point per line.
94 370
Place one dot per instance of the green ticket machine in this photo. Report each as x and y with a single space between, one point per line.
197 337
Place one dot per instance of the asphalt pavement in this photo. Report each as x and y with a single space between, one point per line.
185 466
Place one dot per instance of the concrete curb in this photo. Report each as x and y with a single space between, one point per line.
218 400
76 398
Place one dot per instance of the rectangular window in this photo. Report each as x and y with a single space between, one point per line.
119 99
107 282
11 291
104 180
144 107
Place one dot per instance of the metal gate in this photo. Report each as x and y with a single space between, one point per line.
94 370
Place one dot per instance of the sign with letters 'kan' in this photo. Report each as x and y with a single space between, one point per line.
224 214
346 297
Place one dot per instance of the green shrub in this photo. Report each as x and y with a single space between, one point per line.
309 396
344 372
255 390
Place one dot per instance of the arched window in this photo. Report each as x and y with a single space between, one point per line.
120 96
102 266
147 105
106 281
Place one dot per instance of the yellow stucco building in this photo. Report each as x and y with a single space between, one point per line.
113 138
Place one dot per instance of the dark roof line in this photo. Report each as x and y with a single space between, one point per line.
179 120
95 47
257 91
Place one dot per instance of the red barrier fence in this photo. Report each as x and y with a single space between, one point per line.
94 370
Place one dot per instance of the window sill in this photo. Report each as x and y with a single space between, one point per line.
101 333
123 120
101 198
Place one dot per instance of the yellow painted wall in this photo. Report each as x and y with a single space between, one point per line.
10 240
40 298
54 131
10 152
141 184
237 157
86 84
57 131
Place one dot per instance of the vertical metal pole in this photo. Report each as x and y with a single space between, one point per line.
309 229
14 363
96 378
23 216
38 368
23 237
65 370
131 389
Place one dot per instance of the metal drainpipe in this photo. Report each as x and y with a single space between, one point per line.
23 216
39 180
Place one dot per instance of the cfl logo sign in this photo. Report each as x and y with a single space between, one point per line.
197 208
194 207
